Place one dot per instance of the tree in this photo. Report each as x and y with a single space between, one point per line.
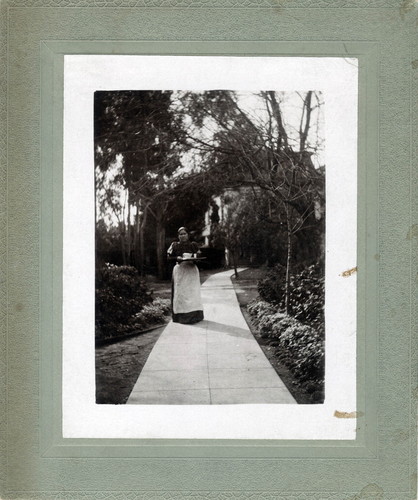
138 132
171 150
243 150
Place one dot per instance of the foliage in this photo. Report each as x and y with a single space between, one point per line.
271 287
261 237
151 314
259 308
120 294
161 155
187 207
137 150
262 153
307 297
300 347
140 126
214 257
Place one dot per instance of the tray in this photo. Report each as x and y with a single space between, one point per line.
192 259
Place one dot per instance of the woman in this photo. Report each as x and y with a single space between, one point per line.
185 300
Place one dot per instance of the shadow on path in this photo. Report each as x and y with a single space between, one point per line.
217 361
214 326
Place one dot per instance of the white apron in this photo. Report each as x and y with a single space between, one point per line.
186 288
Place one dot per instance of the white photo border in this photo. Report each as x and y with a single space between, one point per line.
337 79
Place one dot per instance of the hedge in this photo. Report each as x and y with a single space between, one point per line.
124 302
307 295
299 346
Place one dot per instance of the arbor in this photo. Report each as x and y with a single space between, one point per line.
161 155
261 151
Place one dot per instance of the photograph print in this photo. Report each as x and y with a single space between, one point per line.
209 247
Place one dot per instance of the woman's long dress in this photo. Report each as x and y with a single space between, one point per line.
186 302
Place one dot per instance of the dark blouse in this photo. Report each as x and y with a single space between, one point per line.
177 249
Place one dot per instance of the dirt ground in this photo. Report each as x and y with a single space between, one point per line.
119 364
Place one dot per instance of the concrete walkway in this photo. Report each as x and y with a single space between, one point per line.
216 361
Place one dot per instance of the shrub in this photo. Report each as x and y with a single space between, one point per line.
271 288
151 314
259 308
299 346
307 293
267 323
120 294
282 324
308 296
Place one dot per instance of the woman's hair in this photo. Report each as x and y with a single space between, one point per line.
182 229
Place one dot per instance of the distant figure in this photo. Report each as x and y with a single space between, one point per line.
186 302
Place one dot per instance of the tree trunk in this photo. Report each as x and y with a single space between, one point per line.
304 128
141 250
136 250
122 247
160 240
141 238
288 266
282 134
234 258
123 237
128 235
